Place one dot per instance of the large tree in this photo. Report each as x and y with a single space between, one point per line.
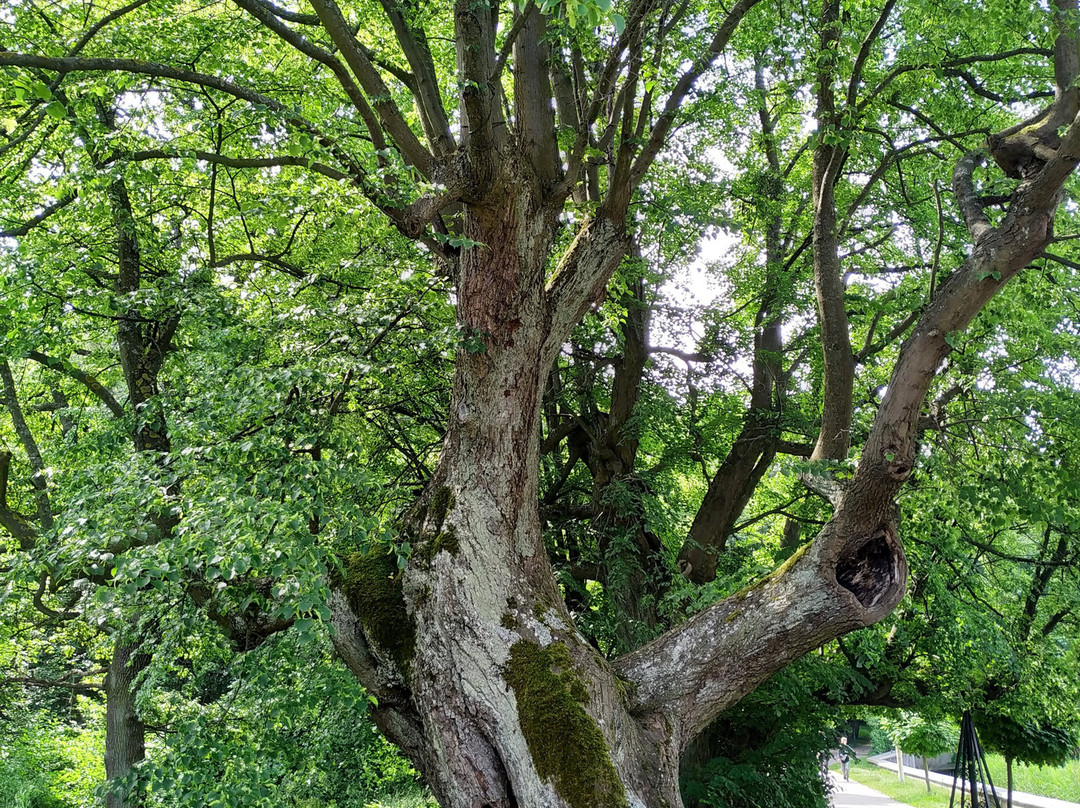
510 144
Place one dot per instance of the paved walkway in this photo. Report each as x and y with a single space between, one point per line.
856 795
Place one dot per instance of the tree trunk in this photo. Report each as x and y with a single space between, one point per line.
481 677
125 734
1009 780
479 671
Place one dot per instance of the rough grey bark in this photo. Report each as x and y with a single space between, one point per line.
125 733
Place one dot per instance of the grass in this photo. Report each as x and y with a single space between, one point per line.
405 799
1062 782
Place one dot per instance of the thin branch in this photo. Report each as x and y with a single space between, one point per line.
84 688
894 334
157 70
682 87
291 16
511 35
900 70
93 30
232 162
1066 262
686 356
48 611
864 52
980 90
424 83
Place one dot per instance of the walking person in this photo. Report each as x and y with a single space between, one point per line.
845 753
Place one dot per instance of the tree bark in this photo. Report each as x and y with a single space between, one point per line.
492 691
834 438
125 733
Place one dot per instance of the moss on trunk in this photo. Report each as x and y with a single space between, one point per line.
567 747
373 587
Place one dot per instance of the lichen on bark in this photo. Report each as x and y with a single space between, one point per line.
567 747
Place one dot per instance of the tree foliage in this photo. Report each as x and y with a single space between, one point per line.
372 324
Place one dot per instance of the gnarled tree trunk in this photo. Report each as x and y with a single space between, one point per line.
480 673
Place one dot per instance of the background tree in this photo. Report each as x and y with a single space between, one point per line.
1025 742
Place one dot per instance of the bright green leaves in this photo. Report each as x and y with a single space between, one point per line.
590 13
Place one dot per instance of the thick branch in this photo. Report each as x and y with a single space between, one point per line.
534 116
82 377
582 276
389 115
425 88
840 582
267 17
13 522
968 199
26 437
834 437
482 124
34 221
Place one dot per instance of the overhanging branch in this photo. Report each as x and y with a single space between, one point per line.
82 377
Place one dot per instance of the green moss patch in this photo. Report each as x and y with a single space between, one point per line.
446 541
441 503
434 539
373 586
567 747
775 575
